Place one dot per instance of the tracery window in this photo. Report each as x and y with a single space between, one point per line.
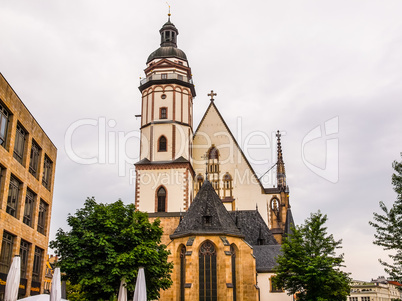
162 144
161 199
227 185
207 272
182 271
199 181
213 168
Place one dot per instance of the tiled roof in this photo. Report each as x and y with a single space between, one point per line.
289 222
253 227
265 257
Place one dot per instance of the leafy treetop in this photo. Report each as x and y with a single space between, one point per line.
388 226
309 266
108 242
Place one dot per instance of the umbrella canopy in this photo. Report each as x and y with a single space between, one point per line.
41 297
55 293
122 291
140 292
13 280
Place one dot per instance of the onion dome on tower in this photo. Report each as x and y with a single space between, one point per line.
168 47
168 55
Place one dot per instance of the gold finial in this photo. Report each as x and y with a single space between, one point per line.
212 94
169 10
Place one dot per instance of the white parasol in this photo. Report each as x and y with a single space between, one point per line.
122 291
13 280
55 293
140 292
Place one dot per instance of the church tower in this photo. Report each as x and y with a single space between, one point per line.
164 174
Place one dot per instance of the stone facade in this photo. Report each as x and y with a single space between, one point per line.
245 274
27 162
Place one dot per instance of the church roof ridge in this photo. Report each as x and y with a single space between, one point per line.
207 215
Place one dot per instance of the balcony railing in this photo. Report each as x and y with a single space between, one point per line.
166 76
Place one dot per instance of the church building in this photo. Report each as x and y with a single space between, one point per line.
221 225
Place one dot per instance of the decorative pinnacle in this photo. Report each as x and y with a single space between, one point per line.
278 135
206 165
280 165
212 94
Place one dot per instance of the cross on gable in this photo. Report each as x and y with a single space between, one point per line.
212 94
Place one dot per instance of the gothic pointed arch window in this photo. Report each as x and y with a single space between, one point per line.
162 144
207 272
199 181
161 199
182 271
227 185
234 282
213 167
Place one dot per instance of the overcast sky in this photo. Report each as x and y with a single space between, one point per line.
275 65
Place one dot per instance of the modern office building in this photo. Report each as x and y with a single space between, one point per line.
27 168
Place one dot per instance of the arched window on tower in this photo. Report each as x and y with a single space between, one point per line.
234 283
207 272
227 185
161 200
182 271
213 168
199 180
162 144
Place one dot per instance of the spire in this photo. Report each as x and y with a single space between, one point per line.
169 12
280 165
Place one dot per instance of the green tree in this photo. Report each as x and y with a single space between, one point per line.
108 242
309 266
74 292
388 226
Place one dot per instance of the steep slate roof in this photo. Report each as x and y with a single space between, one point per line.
252 225
265 257
289 222
207 203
